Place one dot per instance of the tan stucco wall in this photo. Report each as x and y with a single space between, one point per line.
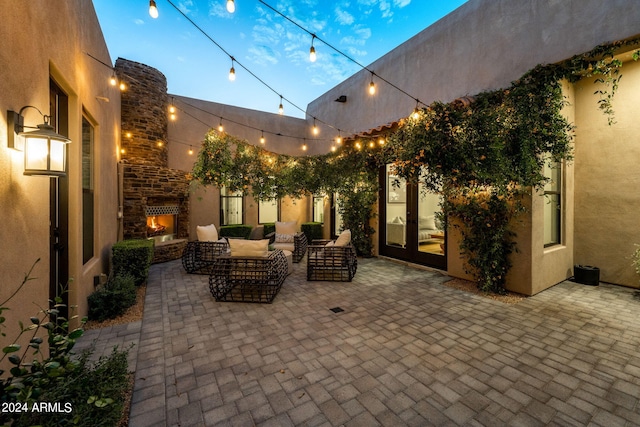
607 179
42 41
483 45
196 117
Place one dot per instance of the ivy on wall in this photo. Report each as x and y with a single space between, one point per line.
481 153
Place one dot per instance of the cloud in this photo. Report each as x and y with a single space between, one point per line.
262 55
185 5
343 17
138 22
401 3
218 10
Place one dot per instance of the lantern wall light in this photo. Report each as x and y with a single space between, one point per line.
45 151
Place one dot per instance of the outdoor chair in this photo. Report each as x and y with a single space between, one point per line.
198 256
326 261
287 238
248 278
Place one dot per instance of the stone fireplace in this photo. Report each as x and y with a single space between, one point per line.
155 198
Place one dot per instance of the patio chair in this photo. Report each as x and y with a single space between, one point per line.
198 256
286 238
248 278
326 261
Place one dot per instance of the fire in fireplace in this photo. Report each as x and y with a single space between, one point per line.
162 222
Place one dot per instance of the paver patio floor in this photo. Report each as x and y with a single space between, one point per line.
406 350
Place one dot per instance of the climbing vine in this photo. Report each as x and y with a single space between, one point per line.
482 153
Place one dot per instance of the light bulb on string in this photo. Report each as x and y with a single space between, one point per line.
190 150
372 86
312 51
315 127
262 140
232 71
281 107
220 127
416 111
113 80
339 138
123 87
172 110
231 6
153 9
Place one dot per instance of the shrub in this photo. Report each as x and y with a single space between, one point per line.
113 299
240 230
133 257
313 230
269 227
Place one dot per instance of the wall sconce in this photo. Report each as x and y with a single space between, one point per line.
45 151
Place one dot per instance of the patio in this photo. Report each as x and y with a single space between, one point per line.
406 350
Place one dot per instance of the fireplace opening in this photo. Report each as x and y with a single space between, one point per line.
162 222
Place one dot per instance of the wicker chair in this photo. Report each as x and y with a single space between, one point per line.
331 263
198 257
248 279
298 247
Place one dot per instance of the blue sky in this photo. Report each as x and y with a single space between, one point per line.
268 45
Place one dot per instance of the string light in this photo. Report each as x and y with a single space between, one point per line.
160 144
153 9
231 6
113 80
339 138
262 137
315 127
416 111
172 110
312 51
372 86
220 128
232 71
281 107
381 141
190 150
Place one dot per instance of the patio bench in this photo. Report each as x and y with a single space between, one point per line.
198 256
331 263
248 278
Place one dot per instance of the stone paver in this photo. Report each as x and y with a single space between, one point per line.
406 350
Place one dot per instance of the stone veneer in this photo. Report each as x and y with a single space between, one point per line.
147 181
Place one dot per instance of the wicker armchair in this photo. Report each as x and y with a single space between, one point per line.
298 247
198 257
331 263
248 279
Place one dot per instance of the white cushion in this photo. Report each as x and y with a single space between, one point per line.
344 238
241 247
427 222
207 233
285 246
286 227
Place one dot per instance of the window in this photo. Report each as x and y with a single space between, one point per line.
553 203
88 226
268 211
230 207
318 208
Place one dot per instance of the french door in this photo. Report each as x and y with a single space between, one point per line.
410 229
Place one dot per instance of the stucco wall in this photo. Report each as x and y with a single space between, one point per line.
607 179
42 41
196 117
483 45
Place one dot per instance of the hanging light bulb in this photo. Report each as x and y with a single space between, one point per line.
113 80
231 6
262 137
416 112
315 127
220 128
372 86
190 150
153 9
358 145
333 148
312 51
172 110
339 138
123 87
381 141
304 147
232 72
280 107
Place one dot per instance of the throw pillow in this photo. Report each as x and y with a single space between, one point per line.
284 238
207 233
427 222
344 238
241 247
286 227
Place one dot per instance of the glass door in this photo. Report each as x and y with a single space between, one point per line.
409 226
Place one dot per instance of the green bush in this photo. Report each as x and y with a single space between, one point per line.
133 258
113 299
269 227
242 231
313 230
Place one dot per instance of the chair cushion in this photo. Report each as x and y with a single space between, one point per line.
285 246
344 238
286 228
207 233
241 247
284 238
